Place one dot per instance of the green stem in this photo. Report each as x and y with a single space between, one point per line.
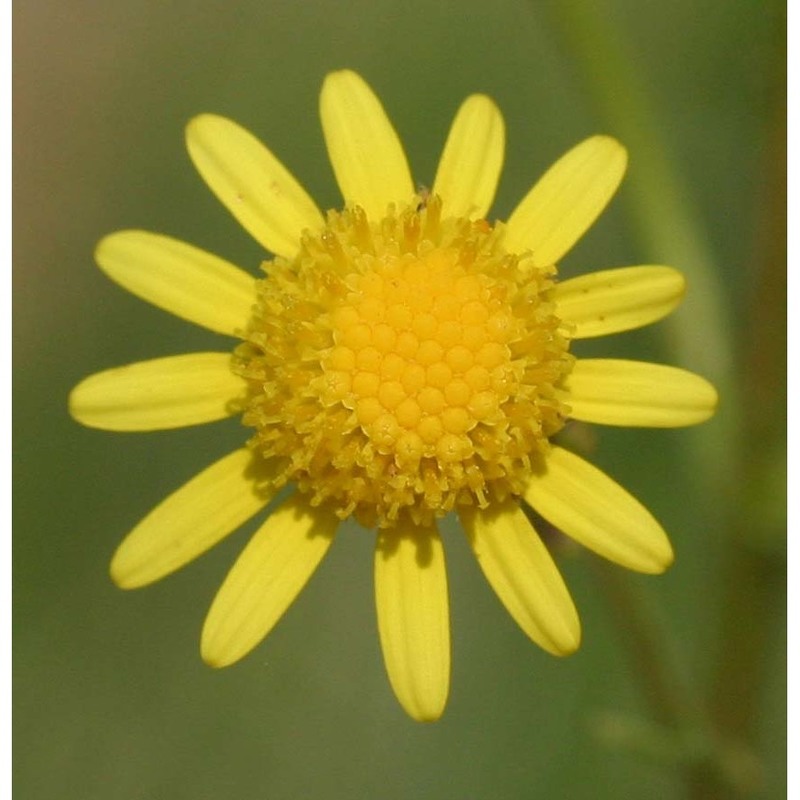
664 684
713 766
744 439
756 576
664 217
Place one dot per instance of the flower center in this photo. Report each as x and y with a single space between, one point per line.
404 366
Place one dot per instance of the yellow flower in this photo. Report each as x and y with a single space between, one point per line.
402 358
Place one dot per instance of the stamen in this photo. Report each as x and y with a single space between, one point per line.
403 366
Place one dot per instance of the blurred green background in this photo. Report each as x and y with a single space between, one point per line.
111 698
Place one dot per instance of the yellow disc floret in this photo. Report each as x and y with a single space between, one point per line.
402 366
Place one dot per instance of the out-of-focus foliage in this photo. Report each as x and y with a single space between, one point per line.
111 699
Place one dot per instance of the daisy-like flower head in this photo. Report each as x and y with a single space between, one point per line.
401 359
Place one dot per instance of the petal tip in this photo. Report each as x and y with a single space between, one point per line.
707 402
212 652
568 640
338 78
102 246
615 153
71 402
713 399
677 281
427 715
571 644
212 659
201 125
199 120
76 403
481 99
114 247
121 574
193 127
664 559
658 558
426 706
345 73
613 145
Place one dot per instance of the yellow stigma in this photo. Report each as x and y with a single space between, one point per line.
402 366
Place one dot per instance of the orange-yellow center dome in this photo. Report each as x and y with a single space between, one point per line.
403 366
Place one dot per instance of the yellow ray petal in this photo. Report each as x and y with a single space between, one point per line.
614 300
587 505
469 168
171 392
413 618
522 573
266 578
365 151
637 394
251 183
191 520
567 199
184 280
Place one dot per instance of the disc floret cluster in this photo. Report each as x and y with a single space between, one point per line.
402 367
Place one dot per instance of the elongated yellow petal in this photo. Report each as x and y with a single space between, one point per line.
615 300
251 183
413 618
522 573
469 168
171 392
567 200
637 394
266 578
365 151
587 505
184 280
191 520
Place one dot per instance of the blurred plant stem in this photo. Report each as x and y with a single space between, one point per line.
756 582
715 762
739 458
662 211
